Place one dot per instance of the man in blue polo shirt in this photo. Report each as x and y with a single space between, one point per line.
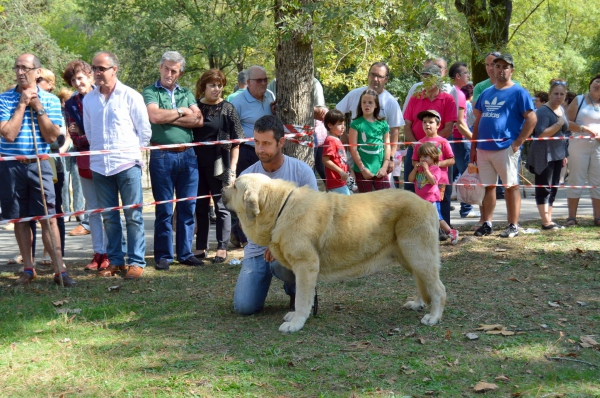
21 195
252 104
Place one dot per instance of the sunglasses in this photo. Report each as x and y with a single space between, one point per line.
101 69
261 81
559 83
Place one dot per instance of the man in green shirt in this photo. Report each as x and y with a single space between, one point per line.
173 114
241 83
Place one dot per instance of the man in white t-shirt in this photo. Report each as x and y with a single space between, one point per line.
259 265
389 107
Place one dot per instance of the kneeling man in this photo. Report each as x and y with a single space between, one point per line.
259 265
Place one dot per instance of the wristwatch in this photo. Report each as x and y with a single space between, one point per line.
41 112
180 112
362 168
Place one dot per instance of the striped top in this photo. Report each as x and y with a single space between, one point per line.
23 144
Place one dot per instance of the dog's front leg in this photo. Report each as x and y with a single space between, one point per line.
306 282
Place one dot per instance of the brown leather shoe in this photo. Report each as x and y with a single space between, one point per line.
134 272
111 270
79 231
25 278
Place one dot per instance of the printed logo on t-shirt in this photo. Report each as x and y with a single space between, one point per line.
492 107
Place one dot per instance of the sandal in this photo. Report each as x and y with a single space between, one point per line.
18 259
46 260
571 222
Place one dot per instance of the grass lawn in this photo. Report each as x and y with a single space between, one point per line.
175 333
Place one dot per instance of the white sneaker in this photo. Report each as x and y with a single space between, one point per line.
473 214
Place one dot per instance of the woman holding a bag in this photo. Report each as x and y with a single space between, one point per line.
78 74
584 120
216 163
546 158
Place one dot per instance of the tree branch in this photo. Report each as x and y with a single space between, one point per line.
572 360
525 20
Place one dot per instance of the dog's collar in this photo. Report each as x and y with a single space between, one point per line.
284 203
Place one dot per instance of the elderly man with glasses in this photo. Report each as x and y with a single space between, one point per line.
115 118
30 121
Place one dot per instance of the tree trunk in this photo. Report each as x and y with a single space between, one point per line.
294 64
488 22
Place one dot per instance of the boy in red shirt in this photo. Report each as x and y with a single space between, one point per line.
334 154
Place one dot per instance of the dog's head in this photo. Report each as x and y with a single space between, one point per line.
243 196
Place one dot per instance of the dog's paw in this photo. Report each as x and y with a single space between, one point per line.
429 320
414 305
292 326
289 316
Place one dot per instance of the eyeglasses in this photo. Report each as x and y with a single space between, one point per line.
464 73
559 83
494 53
25 69
101 69
376 76
261 81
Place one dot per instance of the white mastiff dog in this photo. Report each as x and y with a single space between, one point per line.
332 237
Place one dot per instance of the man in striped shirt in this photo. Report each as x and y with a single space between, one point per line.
27 114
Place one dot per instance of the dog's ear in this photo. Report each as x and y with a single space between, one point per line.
251 202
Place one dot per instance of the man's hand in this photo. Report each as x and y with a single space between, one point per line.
319 112
269 256
185 111
30 98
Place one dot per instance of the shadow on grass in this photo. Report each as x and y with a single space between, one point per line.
175 333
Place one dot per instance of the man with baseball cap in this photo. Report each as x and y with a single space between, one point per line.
503 113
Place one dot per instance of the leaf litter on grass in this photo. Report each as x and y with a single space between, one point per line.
193 328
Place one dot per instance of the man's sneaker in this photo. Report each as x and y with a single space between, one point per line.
510 232
442 235
484 230
453 235
93 265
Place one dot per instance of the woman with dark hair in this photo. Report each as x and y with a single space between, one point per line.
584 120
546 158
216 163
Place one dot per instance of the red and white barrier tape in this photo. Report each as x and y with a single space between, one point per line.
133 206
94 211
292 132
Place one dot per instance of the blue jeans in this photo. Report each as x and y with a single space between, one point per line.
462 153
341 190
253 284
174 172
128 184
72 177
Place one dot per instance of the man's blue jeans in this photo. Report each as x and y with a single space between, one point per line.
253 284
128 184
462 153
408 168
174 172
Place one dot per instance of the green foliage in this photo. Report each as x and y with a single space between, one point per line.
555 43
221 34
21 31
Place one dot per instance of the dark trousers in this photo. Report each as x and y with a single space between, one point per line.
319 166
246 159
60 221
209 184
549 176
